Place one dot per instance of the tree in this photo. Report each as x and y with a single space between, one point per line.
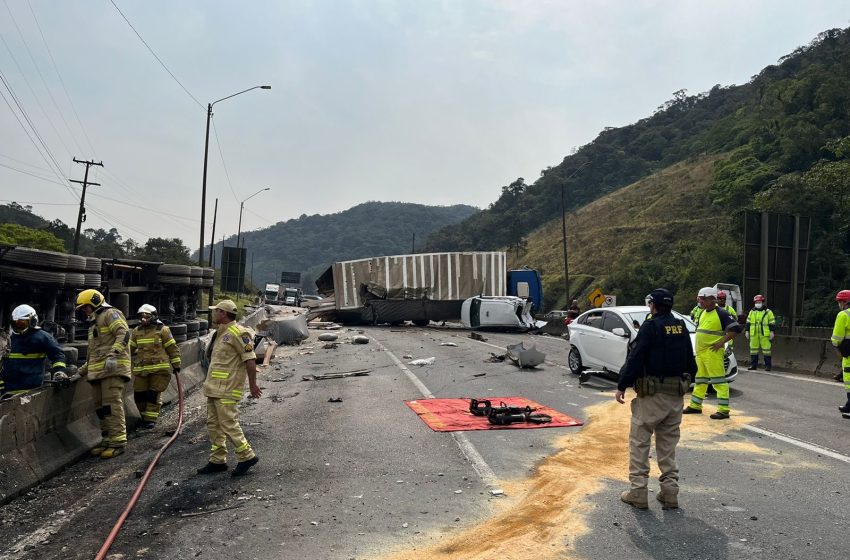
14 234
169 250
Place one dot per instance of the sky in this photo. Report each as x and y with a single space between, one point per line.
427 101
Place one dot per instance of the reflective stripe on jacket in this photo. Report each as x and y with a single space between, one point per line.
760 322
23 366
109 335
231 346
841 330
154 350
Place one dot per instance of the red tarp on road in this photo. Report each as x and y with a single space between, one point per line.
452 415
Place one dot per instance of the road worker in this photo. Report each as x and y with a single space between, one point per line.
22 368
107 369
695 312
714 329
659 368
232 360
721 303
760 326
841 341
155 356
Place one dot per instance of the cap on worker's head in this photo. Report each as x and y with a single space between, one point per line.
660 296
225 305
721 294
707 292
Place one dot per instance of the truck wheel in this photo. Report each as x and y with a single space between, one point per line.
421 322
574 361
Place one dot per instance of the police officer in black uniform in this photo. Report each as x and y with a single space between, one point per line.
659 367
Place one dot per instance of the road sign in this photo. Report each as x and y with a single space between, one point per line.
596 298
610 301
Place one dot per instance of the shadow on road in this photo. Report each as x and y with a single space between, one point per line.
673 534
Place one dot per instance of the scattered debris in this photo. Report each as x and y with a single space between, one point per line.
212 510
478 374
475 336
423 362
495 359
360 339
584 377
331 346
525 357
407 357
335 399
448 344
497 492
328 337
336 375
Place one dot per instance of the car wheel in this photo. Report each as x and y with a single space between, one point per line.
574 361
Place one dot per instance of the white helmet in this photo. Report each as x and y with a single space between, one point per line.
707 292
24 313
147 308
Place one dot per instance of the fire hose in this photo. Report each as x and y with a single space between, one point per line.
131 504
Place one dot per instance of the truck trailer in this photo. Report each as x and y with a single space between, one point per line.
419 287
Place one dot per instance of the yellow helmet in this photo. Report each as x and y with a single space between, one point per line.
89 297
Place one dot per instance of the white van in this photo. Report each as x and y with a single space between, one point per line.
497 312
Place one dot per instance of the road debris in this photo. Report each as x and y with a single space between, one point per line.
195 514
448 344
335 399
336 375
328 337
360 339
495 358
475 336
423 362
525 357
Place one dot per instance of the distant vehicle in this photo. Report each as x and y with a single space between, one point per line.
311 297
600 339
497 312
272 293
733 297
292 297
557 314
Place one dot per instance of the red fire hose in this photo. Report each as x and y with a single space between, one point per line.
115 530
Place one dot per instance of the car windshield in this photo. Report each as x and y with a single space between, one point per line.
639 317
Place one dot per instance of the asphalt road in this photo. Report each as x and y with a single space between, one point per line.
366 478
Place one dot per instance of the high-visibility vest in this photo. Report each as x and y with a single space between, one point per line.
709 329
760 321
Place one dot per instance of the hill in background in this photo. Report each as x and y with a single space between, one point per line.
309 244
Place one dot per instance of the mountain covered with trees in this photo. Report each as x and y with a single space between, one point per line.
777 143
309 244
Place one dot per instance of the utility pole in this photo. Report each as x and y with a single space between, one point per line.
85 183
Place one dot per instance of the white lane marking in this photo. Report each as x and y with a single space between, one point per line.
799 443
472 455
794 377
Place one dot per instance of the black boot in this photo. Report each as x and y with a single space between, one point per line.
211 468
243 466
767 363
846 408
754 361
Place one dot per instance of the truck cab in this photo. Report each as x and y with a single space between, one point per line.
292 297
272 293
526 283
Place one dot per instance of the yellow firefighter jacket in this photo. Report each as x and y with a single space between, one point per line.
154 350
232 345
109 335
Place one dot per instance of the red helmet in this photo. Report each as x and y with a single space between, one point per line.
721 295
758 298
843 295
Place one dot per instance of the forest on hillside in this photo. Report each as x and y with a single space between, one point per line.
784 141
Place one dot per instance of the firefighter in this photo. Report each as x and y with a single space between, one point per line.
107 369
659 368
714 330
23 367
760 326
841 341
155 356
232 360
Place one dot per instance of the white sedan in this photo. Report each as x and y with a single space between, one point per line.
600 339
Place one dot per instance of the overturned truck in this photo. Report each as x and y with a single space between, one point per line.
418 288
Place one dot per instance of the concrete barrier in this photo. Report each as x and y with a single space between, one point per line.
49 428
797 354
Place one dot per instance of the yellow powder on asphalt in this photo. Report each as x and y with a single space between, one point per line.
546 513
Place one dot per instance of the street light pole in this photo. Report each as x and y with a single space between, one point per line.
206 156
238 238
564 234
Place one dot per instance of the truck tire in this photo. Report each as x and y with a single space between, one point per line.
44 277
208 273
93 264
196 281
35 258
207 282
196 271
173 280
76 263
180 337
174 269
179 328
192 326
92 280
75 279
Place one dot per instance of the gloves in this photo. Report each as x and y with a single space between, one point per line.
110 365
771 335
747 334
61 378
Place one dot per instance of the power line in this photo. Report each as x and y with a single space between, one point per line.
170 73
220 153
271 222
61 81
49 180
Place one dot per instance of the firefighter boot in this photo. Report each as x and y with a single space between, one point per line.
243 466
96 451
845 409
211 468
754 361
111 452
767 363
635 498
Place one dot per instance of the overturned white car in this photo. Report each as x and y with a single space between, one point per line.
497 312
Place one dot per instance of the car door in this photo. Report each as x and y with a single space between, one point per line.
616 347
590 343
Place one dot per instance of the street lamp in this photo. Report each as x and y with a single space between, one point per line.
241 206
564 233
238 237
204 185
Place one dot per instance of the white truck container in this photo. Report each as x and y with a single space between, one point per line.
272 293
419 288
